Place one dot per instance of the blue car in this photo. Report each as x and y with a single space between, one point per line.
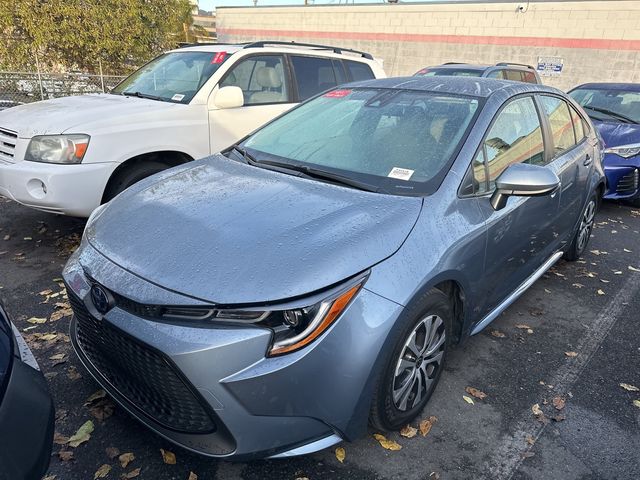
614 109
272 299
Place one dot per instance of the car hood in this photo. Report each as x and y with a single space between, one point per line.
615 134
75 114
230 233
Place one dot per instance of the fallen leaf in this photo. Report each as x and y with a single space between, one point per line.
112 452
193 476
627 250
168 457
126 458
571 354
95 396
476 393
558 403
578 285
82 435
36 320
102 409
60 439
527 454
468 399
634 269
134 473
434 475
617 272
636 403
559 418
65 455
408 431
536 410
385 443
600 292
102 472
49 477
530 440
426 424
497 334
73 374
340 454
630 388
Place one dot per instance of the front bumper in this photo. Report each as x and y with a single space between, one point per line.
67 189
623 181
26 419
257 406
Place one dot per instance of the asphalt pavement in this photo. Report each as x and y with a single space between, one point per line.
551 368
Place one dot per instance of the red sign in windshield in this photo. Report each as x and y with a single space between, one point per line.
337 93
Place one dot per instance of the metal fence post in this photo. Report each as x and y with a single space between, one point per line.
39 78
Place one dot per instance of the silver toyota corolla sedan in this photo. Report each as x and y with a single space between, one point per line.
273 299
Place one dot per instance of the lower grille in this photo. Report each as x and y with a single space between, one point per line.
628 184
142 375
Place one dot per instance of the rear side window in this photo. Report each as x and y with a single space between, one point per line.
359 71
262 79
557 111
514 75
313 75
499 74
515 137
578 125
529 77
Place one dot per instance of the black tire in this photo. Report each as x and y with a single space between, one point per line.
126 177
389 412
581 238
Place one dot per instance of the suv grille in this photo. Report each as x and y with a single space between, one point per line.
7 145
628 184
142 375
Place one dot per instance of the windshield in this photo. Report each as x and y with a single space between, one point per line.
398 140
174 77
609 105
451 72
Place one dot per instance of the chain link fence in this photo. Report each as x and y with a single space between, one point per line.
17 88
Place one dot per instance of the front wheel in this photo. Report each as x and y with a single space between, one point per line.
416 363
583 234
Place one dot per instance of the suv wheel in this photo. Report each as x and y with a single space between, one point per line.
583 234
416 363
130 175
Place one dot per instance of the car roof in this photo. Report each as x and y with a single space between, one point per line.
457 66
473 86
632 87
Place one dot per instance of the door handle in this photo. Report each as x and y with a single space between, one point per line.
587 160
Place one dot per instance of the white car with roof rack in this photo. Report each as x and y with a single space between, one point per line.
69 155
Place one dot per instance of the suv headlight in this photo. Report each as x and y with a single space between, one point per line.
292 329
625 151
57 148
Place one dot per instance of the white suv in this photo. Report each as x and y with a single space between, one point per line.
69 155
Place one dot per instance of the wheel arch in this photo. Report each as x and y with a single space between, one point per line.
171 158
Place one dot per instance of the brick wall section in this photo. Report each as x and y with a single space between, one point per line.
599 40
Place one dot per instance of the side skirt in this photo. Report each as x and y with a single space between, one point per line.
524 286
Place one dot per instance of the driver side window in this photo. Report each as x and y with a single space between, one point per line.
514 137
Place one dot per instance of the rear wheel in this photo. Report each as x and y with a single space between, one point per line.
416 363
126 177
583 234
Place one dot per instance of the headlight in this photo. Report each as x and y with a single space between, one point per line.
625 151
57 148
292 329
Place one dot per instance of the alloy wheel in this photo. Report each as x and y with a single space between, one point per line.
419 362
586 225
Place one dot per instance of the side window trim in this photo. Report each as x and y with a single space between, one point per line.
469 173
547 125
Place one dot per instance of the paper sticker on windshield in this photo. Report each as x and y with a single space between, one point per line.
343 92
177 97
400 173
218 57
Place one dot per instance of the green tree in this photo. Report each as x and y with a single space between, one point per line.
79 34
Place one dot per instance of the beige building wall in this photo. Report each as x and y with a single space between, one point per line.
597 40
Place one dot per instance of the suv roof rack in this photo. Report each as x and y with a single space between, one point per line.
455 63
311 45
203 44
507 64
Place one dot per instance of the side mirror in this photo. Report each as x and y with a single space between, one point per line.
523 180
228 97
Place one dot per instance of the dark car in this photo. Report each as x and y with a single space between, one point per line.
615 111
26 409
502 71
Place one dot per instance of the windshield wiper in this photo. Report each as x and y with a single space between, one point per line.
610 113
143 95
